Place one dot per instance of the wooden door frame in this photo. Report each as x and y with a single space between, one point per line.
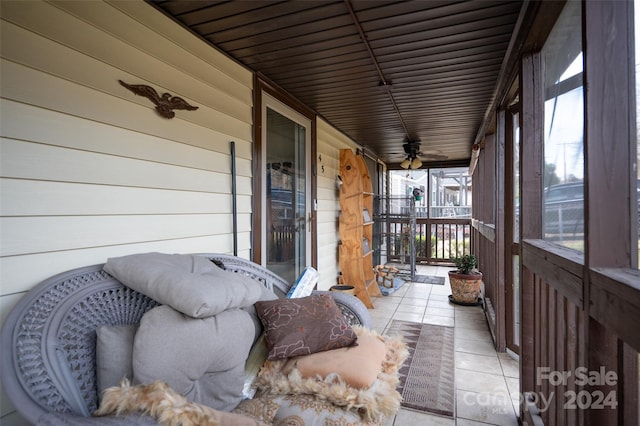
260 84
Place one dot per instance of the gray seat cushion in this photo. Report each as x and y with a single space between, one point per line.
202 359
190 284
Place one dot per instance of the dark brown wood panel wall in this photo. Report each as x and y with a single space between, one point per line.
531 160
580 311
559 330
485 241
567 339
499 299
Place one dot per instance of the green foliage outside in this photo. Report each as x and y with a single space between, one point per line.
452 248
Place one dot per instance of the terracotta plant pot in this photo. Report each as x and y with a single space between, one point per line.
349 289
465 288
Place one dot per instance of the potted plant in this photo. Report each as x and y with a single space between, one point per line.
465 280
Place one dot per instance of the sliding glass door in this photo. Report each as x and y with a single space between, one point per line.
286 190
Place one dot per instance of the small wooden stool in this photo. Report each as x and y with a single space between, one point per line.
385 275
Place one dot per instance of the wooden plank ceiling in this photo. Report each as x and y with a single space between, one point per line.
382 72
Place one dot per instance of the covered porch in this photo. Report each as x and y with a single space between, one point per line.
91 170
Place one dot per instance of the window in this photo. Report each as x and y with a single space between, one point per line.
450 193
563 196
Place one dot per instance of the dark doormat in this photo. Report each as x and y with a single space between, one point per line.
423 279
427 376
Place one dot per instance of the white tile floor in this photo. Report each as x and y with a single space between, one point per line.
484 378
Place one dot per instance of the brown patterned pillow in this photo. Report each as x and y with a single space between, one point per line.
304 325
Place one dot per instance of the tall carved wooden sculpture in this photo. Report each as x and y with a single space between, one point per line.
356 227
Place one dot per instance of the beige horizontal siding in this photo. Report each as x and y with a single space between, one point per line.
19 273
36 124
30 86
330 141
121 42
23 235
39 198
26 160
89 170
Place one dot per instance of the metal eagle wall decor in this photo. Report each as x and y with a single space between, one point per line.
165 104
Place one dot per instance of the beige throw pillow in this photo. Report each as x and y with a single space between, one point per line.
357 365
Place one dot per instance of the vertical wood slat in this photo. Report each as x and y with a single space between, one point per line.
500 240
485 250
571 352
582 351
610 134
544 340
531 153
444 240
564 339
561 348
449 239
534 297
630 383
558 347
551 352
483 208
610 156
428 232
603 353
455 245
531 160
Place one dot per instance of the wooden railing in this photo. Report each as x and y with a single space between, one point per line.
579 357
436 240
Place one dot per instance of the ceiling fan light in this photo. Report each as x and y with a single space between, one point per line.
405 164
416 163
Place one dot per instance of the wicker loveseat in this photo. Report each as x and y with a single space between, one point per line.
49 338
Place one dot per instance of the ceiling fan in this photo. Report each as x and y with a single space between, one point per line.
412 150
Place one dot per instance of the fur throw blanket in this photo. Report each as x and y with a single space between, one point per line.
169 408
157 400
372 403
